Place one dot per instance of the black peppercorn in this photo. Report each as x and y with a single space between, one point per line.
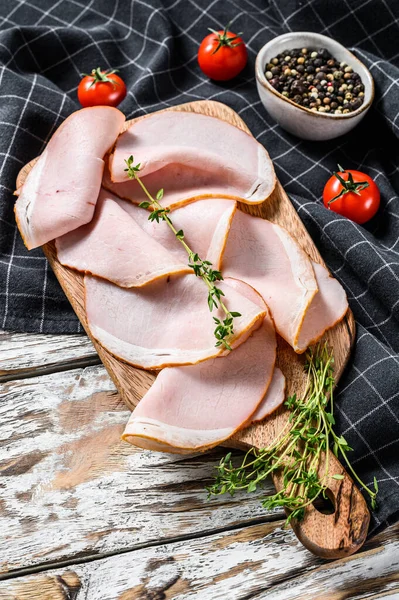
298 87
355 104
313 78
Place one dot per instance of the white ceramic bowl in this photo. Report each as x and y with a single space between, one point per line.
301 121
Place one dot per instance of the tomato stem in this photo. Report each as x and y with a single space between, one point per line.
101 76
348 185
224 40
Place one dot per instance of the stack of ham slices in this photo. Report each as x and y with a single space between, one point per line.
143 302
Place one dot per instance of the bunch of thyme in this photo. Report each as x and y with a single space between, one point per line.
202 268
297 450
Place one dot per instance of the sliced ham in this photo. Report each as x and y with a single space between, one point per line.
192 156
196 407
61 190
115 247
165 323
181 185
303 299
273 398
265 256
205 224
328 307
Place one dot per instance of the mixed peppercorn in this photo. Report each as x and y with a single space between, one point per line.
316 80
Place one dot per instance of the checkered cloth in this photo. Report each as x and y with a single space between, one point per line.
46 44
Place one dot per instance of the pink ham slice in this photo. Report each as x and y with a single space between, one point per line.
197 407
165 323
181 185
198 156
115 247
60 192
266 257
273 398
328 307
205 224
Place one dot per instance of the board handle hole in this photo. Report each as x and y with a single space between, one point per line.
326 506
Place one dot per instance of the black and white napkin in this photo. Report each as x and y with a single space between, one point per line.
45 45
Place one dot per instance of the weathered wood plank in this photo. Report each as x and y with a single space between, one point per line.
23 354
257 562
392 595
70 487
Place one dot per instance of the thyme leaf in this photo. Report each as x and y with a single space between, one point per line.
202 268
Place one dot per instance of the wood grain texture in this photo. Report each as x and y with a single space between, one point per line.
262 562
71 488
330 536
22 354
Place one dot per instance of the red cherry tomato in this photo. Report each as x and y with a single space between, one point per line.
103 88
352 194
222 55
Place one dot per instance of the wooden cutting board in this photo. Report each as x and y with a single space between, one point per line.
326 535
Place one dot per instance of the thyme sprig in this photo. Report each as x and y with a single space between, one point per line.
298 450
202 268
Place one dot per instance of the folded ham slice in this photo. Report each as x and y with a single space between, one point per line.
192 156
115 247
265 256
165 323
328 307
205 224
197 407
181 185
273 398
61 190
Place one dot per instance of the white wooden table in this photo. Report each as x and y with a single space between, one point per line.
84 515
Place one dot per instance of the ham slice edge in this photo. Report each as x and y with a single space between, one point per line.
305 301
273 398
115 247
206 224
60 191
167 323
266 257
196 141
224 391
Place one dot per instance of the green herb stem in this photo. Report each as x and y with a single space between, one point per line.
202 268
155 203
